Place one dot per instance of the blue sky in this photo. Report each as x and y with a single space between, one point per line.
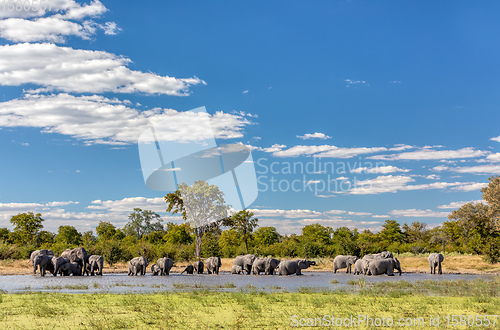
402 95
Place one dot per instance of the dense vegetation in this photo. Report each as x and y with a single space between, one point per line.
473 228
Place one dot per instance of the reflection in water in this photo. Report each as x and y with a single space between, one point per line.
121 283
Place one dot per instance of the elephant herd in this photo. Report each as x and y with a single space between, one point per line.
74 262
247 264
380 263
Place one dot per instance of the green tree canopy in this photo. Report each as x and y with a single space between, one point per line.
143 222
105 230
178 234
391 233
26 227
244 224
317 233
266 236
68 235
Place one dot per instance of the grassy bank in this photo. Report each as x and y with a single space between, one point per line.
251 309
453 263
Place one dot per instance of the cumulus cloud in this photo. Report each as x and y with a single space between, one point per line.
70 19
480 169
99 120
316 135
379 170
427 153
81 71
414 213
323 151
393 184
456 205
496 139
494 158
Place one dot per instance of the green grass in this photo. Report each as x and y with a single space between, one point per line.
210 309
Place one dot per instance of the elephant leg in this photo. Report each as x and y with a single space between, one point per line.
440 271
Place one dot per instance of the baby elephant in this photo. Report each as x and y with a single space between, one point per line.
189 269
70 268
198 267
236 270
155 270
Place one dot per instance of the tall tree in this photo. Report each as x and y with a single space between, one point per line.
244 224
202 205
491 194
143 223
391 233
68 235
417 232
26 227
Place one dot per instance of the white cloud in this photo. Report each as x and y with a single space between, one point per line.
418 213
456 205
316 135
358 213
471 186
82 71
291 214
323 151
427 153
99 120
393 184
496 139
495 158
480 169
400 147
380 216
379 170
72 19
350 82
313 182
433 177
244 92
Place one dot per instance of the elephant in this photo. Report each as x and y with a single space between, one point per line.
342 261
236 270
45 263
95 263
78 255
36 253
155 269
266 265
435 260
164 264
381 255
384 266
359 267
189 269
137 266
70 268
58 262
245 262
289 267
213 264
362 266
198 267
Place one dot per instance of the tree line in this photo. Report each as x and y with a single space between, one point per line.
473 228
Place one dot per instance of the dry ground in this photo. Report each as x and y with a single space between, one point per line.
453 264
